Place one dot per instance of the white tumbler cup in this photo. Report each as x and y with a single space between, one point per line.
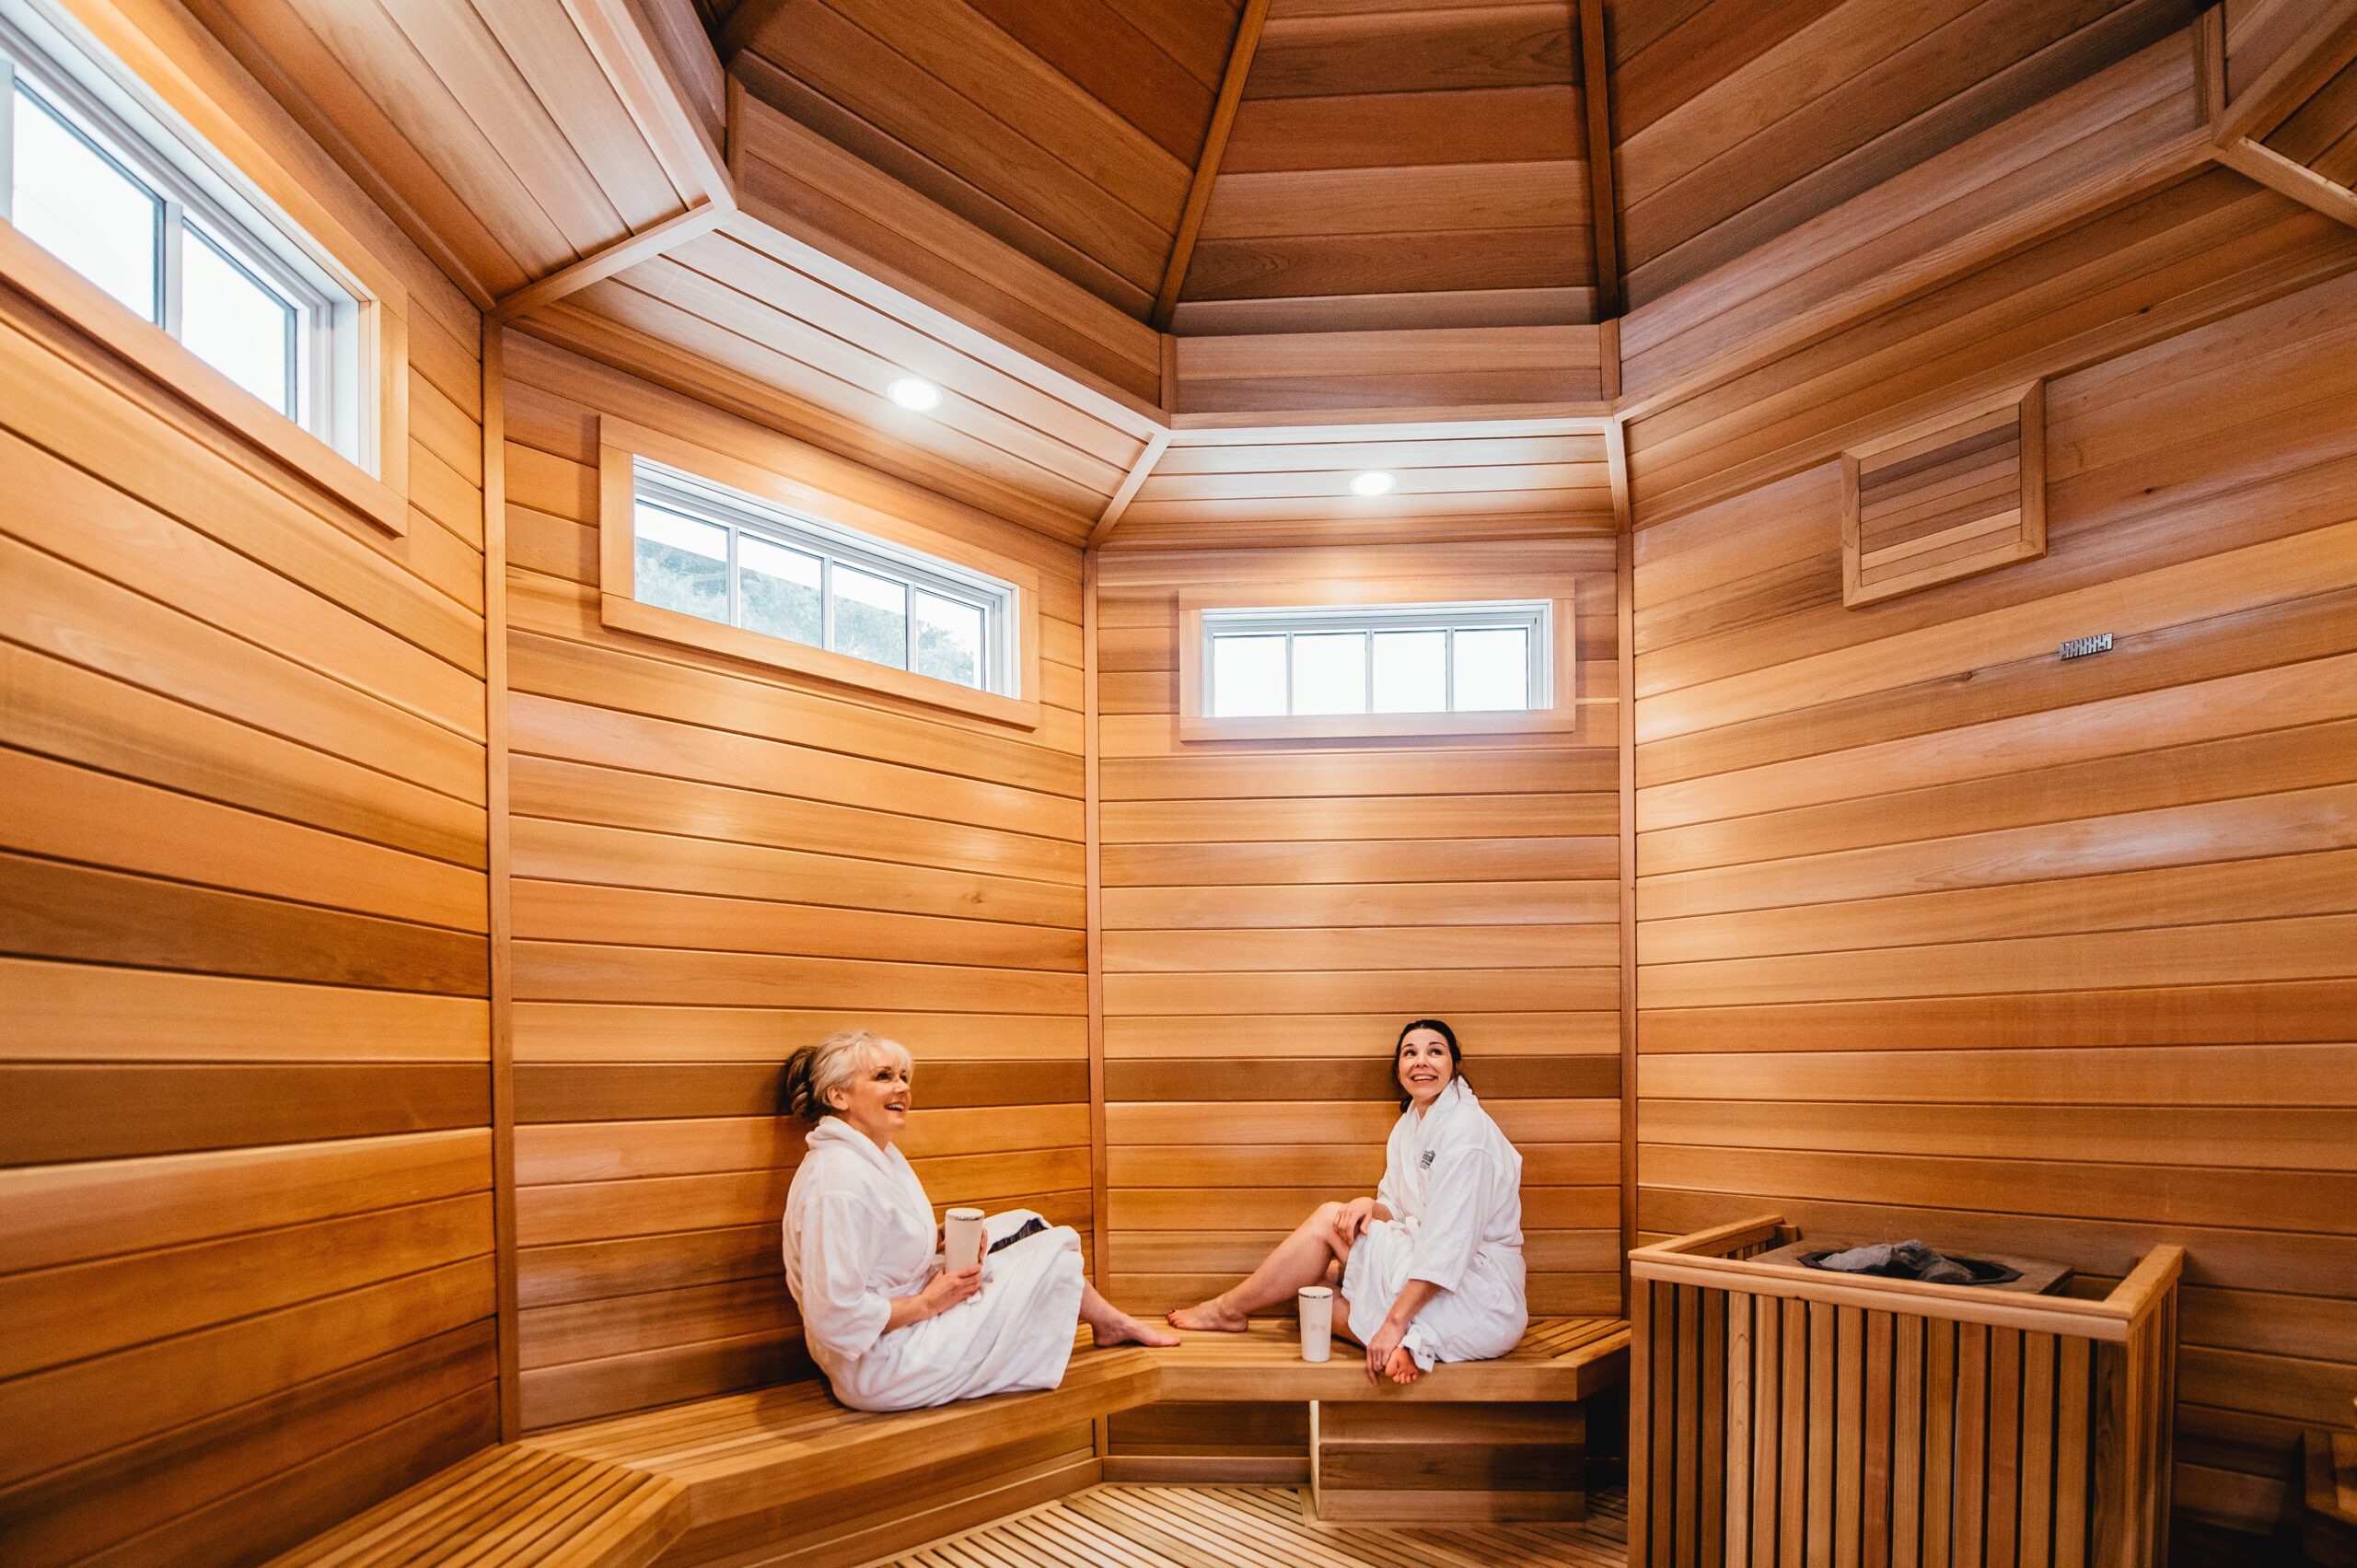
962 1238
1316 1323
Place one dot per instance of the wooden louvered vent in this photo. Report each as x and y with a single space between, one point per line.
1960 496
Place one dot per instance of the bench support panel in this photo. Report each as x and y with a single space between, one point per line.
1406 1464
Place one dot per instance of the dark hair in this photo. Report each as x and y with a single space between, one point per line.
1455 1056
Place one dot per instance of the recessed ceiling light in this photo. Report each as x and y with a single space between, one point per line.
1374 481
911 393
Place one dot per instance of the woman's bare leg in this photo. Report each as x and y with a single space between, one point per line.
1302 1259
1114 1327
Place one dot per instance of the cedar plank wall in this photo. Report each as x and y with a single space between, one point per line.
245 1219
714 864
1940 936
1273 911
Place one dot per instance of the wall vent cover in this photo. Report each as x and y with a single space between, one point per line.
1955 497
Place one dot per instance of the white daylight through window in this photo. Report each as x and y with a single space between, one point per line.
710 550
1488 657
105 179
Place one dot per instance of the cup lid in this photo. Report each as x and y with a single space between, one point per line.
1316 1293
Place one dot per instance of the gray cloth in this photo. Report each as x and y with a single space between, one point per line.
1901 1260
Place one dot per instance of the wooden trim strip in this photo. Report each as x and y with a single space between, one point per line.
1604 219
628 251
1626 610
499 861
1092 798
1199 193
2045 1315
1092 785
1140 471
657 102
2298 182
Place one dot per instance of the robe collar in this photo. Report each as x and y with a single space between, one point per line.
1446 1107
834 1129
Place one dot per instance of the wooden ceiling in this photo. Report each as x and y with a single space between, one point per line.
1400 165
1069 131
1737 122
512 139
1179 264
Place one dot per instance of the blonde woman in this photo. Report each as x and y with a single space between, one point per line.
892 1328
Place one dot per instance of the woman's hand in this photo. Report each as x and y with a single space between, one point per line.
949 1288
1379 1348
1351 1224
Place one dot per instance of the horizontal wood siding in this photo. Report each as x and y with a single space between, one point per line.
1940 936
1273 912
715 863
245 1166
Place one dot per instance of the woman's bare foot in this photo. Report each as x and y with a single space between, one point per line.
1402 1368
1215 1315
1121 1329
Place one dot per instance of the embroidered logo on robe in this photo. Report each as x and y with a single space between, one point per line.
1426 1164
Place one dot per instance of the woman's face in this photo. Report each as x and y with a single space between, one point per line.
1424 1066
876 1101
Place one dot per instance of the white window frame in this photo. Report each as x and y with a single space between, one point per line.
1310 607
90 64
744 516
1533 617
776 492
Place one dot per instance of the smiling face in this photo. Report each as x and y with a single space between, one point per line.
877 1099
1423 1066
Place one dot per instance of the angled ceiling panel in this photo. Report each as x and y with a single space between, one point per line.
512 138
1738 121
1401 167
1069 131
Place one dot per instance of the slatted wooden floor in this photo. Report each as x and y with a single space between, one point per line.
1258 1526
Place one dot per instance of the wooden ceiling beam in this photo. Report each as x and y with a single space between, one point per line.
627 251
1596 97
1249 28
660 103
1140 471
2297 180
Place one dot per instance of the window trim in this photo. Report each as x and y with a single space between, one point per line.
622 444
1561 711
205 117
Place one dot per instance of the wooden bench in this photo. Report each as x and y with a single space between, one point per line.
695 1482
2328 1528
510 1504
1503 1440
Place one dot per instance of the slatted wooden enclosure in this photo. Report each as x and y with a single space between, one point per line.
1781 1416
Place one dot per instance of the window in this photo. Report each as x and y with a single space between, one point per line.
1401 658
750 560
1486 653
98 175
704 549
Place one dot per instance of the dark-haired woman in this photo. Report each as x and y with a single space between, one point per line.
891 1325
1431 1267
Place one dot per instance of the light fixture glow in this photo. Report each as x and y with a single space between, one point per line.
915 394
1374 481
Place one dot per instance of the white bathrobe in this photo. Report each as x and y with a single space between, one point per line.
1454 1186
859 1232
